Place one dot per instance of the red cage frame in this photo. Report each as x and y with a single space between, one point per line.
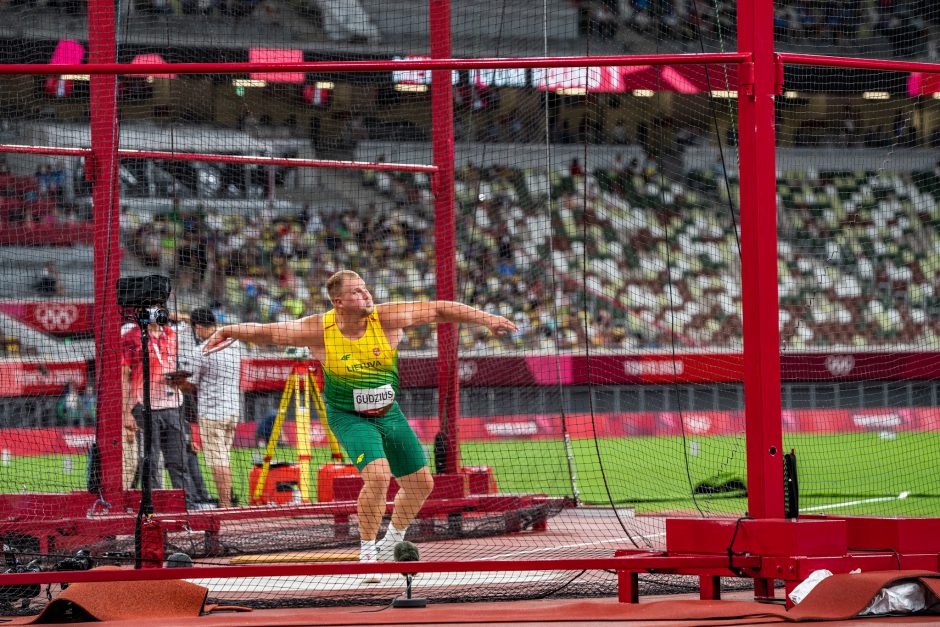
765 546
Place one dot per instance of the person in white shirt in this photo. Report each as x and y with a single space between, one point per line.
216 381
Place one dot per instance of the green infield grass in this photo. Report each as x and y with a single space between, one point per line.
861 473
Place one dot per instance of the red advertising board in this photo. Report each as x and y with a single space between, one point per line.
682 79
75 440
421 372
57 317
418 77
922 84
276 55
590 79
269 374
32 378
149 59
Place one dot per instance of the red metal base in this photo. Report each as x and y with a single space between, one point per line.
769 549
710 561
80 521
327 474
282 481
906 535
347 487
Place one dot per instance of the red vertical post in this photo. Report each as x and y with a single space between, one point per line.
757 160
102 166
445 240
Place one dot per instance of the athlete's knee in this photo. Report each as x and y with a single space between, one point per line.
376 474
427 480
420 483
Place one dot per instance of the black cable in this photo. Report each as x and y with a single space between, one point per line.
100 346
563 415
381 609
535 598
559 588
714 116
586 325
445 419
893 551
672 317
725 179
730 549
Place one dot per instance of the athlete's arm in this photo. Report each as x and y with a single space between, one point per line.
412 314
303 332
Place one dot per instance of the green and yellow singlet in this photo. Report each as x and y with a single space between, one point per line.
360 375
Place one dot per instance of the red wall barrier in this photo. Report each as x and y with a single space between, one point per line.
18 442
34 378
269 374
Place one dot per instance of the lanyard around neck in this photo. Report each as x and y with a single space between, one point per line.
154 343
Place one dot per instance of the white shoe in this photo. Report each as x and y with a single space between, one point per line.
369 559
385 548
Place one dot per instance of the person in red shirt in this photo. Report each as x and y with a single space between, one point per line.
166 402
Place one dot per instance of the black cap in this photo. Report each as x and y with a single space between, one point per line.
202 316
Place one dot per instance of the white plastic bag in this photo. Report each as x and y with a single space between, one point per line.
901 598
805 587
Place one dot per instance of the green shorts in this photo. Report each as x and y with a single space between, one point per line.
388 437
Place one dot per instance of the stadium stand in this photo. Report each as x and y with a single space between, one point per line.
270 266
266 261
880 27
860 27
476 20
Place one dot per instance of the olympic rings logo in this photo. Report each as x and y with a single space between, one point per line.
56 316
840 365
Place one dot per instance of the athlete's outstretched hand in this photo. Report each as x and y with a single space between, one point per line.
216 342
500 326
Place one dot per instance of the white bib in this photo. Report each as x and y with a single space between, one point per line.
374 401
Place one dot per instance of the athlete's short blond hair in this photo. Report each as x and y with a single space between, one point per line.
334 284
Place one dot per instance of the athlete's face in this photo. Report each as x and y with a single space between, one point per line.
355 297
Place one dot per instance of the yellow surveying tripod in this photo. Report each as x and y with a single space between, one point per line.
302 385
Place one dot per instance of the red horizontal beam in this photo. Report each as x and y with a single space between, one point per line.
301 163
244 159
864 64
374 66
44 150
635 564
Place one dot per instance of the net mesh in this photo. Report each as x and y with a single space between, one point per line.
596 208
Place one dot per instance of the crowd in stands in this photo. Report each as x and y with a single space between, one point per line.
265 267
858 260
76 406
624 258
903 24
619 257
44 198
